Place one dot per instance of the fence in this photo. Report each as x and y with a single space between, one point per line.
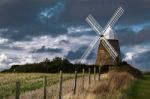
84 78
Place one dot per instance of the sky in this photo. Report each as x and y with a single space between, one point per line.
32 30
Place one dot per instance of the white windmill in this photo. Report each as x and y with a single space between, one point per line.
109 50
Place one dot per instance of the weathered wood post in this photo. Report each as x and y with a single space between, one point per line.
99 73
44 85
89 76
83 79
94 73
60 86
109 68
75 83
17 89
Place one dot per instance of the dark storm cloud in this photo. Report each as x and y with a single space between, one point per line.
61 42
129 37
21 12
143 61
78 10
29 18
24 20
27 32
136 11
77 54
145 56
43 49
53 17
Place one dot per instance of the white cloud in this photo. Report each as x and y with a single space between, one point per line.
52 11
11 56
3 40
78 29
133 53
23 55
3 60
3 57
136 28
3 30
129 56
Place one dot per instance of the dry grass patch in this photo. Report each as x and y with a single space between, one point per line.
113 87
109 87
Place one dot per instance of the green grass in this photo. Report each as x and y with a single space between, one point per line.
29 81
140 89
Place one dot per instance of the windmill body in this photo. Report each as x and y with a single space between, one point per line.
109 50
103 57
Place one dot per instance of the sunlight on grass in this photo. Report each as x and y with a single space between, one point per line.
29 81
140 89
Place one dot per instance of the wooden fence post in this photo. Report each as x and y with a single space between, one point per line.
17 89
44 85
99 73
60 85
109 68
94 73
75 83
83 79
89 76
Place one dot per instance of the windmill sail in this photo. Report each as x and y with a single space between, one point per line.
94 24
88 50
114 19
102 33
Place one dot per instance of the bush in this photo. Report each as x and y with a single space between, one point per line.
58 64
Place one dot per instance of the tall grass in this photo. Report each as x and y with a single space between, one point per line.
112 87
29 82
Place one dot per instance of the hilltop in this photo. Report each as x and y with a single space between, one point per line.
57 64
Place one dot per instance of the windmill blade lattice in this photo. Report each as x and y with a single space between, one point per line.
100 31
114 19
88 50
94 24
109 48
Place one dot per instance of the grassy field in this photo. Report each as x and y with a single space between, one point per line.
29 81
111 86
140 89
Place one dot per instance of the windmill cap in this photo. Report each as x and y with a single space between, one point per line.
110 34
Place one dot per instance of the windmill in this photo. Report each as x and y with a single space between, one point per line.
109 50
